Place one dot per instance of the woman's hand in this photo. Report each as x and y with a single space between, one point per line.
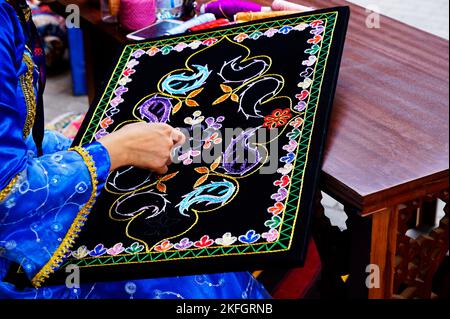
142 145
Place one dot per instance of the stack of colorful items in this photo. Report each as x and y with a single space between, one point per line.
137 14
223 12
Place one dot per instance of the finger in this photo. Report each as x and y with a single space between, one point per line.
178 138
166 127
162 170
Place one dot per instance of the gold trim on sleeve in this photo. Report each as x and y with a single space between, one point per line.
26 82
56 260
5 191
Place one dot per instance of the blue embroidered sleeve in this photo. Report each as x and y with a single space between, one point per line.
53 142
44 201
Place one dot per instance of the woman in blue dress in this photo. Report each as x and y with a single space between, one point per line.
47 188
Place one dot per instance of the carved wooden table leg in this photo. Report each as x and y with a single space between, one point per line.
401 265
417 259
382 251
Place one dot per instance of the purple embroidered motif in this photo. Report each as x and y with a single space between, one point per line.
156 109
235 161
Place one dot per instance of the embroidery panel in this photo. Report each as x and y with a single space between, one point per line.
207 82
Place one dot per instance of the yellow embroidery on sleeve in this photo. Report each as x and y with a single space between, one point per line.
56 260
5 192
26 82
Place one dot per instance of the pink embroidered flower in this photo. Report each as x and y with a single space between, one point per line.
132 63
271 235
291 146
188 156
278 118
180 46
116 101
116 249
271 32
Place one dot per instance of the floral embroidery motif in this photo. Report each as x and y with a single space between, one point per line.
185 243
117 249
134 248
250 237
277 118
164 246
205 241
271 235
226 240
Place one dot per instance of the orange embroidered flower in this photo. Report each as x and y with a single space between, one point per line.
278 118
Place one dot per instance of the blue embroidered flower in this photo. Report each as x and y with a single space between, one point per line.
285 30
98 251
250 237
289 158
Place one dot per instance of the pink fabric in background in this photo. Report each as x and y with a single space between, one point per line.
137 14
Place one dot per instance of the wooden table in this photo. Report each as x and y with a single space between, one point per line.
386 159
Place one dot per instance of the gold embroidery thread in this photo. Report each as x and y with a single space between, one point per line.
5 192
26 81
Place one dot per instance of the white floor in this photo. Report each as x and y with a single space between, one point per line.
431 16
